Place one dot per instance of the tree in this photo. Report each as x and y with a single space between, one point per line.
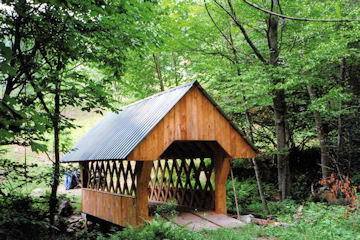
52 45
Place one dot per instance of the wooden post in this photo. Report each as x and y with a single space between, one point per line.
84 173
143 171
222 167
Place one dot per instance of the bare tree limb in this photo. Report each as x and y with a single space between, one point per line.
218 28
217 52
296 18
242 29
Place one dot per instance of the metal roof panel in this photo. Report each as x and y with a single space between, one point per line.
117 134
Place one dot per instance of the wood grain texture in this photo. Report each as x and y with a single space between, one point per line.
143 171
194 128
84 173
193 118
111 207
188 181
222 167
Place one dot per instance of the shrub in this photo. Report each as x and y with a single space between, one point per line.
247 195
301 188
320 221
21 217
157 229
167 209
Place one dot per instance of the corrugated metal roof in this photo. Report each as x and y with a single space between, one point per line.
117 134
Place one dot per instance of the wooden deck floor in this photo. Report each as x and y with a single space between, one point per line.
205 220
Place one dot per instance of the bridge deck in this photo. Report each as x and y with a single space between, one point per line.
194 220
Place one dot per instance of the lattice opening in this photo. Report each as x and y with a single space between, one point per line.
189 181
116 176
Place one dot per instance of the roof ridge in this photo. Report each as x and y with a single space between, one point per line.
159 94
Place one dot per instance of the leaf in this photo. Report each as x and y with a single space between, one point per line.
338 9
38 147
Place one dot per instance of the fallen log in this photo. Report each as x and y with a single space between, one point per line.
264 222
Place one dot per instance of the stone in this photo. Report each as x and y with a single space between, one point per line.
65 209
247 218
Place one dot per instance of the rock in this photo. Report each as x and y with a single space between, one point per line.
75 218
247 218
74 224
65 208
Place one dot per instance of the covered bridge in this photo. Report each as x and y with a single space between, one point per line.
175 145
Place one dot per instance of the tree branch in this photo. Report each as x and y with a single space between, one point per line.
229 38
242 29
217 26
296 18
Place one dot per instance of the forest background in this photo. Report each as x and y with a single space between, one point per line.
286 72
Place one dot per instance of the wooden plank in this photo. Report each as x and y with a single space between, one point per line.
210 117
177 121
108 208
143 171
194 127
115 208
222 167
84 173
202 118
194 117
128 213
193 222
221 220
183 123
169 128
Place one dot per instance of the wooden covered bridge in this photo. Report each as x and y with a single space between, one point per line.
175 145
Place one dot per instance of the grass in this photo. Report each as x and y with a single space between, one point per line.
319 221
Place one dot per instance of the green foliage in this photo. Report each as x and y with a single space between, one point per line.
14 176
320 221
300 190
167 209
157 229
284 209
87 235
23 217
97 54
247 195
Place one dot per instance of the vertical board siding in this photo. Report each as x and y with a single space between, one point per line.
194 117
111 207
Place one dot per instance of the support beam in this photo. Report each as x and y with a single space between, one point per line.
143 171
84 173
222 167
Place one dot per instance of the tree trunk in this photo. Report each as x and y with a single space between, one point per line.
259 183
256 168
175 73
322 138
56 169
282 148
339 157
248 122
158 71
274 55
279 112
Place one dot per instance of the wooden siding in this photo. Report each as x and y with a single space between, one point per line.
195 118
111 207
